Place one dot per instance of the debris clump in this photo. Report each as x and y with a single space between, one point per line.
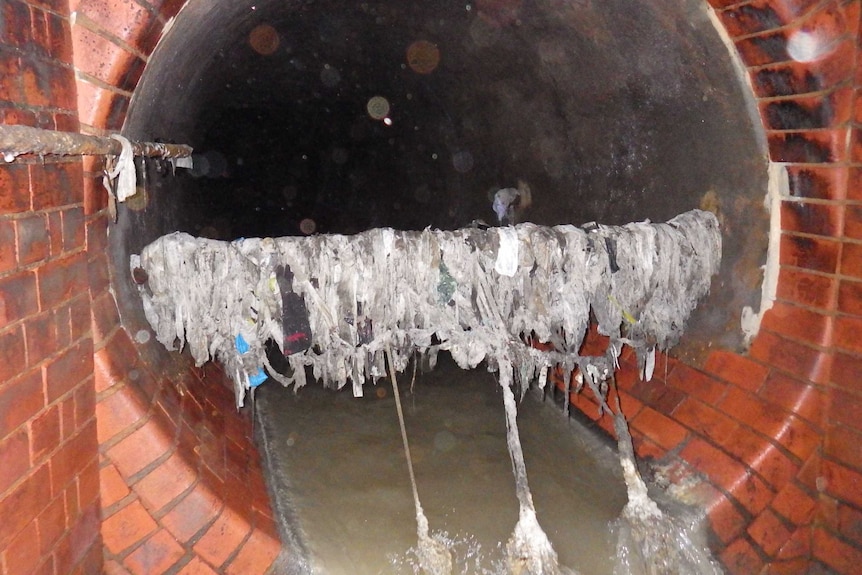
480 294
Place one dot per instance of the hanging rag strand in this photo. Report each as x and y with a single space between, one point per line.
434 558
529 550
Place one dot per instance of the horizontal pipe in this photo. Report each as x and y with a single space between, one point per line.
17 140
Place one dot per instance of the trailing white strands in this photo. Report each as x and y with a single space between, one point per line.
476 293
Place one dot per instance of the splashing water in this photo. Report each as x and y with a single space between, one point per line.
469 557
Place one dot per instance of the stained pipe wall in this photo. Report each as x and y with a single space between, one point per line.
115 458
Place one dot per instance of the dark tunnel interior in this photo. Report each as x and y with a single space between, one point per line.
331 117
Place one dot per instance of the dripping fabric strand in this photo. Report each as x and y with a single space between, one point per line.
434 558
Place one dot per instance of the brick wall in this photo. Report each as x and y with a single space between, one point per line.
182 487
49 477
774 434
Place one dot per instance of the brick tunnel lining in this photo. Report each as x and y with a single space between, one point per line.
161 216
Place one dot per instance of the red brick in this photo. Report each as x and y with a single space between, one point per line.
12 353
124 19
769 532
791 432
55 233
740 558
98 270
114 568
845 445
42 338
89 483
14 189
70 496
32 239
658 395
817 182
849 523
85 404
850 297
17 297
45 430
762 456
808 253
838 555
52 524
798 547
15 455
695 383
73 228
57 185
10 74
802 398
704 420
61 280
811 218
127 527
197 567
39 31
105 316
22 555
794 504
805 288
790 357
68 370
256 556
83 536
140 449
847 330
845 407
20 400
842 483
99 57
113 488
851 260
726 519
797 323
72 457
197 509
659 428
156 555
19 504
118 411
36 89
165 483
67 416
223 537
8 259
847 371
728 474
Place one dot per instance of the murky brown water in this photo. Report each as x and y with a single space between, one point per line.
349 487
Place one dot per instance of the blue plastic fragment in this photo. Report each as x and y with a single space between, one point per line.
241 344
257 378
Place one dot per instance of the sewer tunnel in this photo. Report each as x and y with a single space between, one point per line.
316 117
326 118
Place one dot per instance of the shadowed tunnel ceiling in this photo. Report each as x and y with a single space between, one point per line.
612 111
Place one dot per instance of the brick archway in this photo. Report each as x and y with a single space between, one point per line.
766 430
774 433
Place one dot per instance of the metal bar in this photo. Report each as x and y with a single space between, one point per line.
18 140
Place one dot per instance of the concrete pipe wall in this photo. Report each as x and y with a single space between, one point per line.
122 457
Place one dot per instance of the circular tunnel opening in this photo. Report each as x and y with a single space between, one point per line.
320 117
